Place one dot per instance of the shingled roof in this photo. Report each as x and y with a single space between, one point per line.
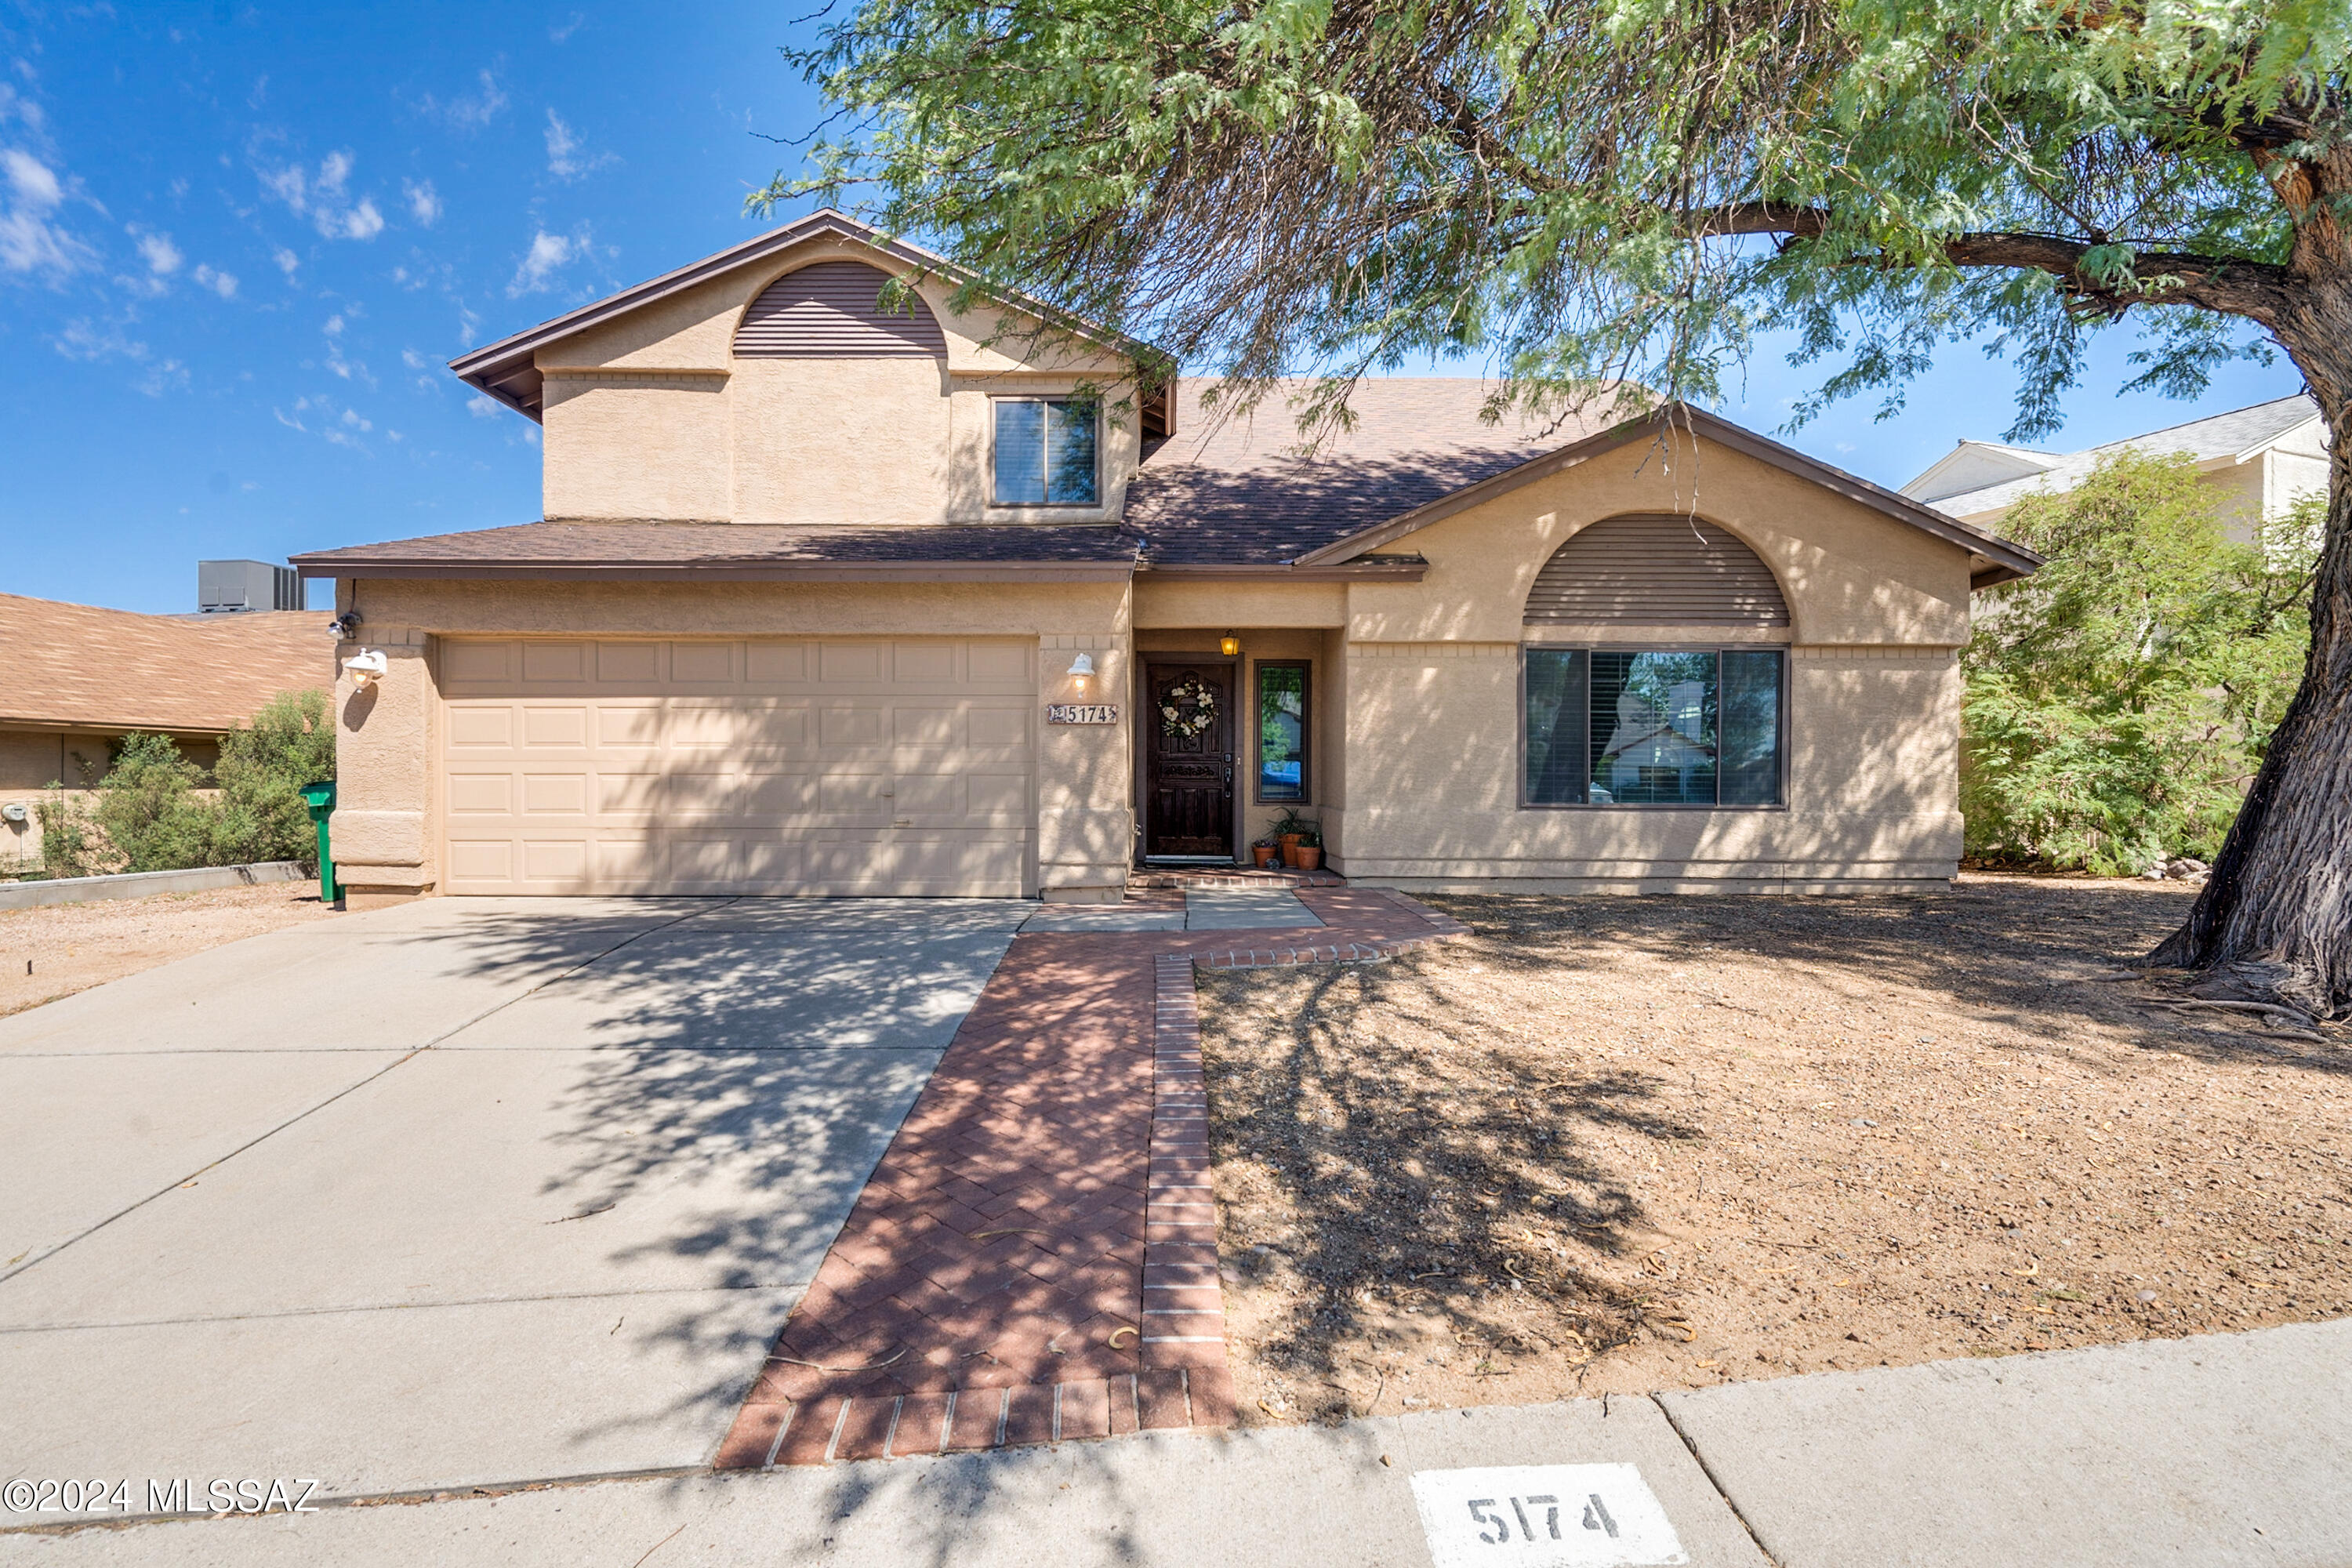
723 550
1238 490
79 667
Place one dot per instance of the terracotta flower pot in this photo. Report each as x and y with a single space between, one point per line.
1311 855
1290 850
1264 854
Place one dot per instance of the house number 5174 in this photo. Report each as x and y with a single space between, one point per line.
1497 1528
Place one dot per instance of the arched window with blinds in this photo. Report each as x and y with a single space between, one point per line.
834 311
1683 725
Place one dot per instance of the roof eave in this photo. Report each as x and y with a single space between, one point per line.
1697 421
725 571
1292 571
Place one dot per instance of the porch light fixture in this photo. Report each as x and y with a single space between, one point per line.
1082 669
1229 645
367 669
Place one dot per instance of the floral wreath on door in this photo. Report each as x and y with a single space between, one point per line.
1175 722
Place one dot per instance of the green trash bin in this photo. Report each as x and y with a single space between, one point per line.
321 798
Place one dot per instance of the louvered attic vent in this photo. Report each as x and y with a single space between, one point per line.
1653 570
830 311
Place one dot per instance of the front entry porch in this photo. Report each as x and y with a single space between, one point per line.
1230 739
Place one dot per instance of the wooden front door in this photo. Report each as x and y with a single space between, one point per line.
1188 761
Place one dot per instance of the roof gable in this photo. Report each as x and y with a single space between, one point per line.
1992 560
508 369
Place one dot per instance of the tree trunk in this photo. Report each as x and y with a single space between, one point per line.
2278 909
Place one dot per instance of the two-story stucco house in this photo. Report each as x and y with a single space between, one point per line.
842 591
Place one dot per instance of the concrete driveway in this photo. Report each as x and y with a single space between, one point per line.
464 1192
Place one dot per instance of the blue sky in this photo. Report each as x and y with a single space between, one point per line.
239 243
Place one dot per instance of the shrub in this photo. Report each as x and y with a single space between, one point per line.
262 770
71 845
149 810
2118 702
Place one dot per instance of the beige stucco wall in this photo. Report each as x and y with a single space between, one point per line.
651 417
1428 795
33 760
387 826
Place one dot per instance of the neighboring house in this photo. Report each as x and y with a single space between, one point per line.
841 589
74 679
2257 460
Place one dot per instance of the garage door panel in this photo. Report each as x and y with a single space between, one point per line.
556 661
554 726
472 726
557 860
830 766
859 663
1004 664
775 664
631 726
621 794
629 661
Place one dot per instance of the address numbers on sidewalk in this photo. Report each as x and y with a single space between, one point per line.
1544 1516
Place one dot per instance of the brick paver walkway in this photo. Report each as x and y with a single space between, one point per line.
1035 1258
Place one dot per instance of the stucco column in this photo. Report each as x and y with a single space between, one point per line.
1085 811
382 829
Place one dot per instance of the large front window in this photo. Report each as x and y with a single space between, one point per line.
1634 726
1045 452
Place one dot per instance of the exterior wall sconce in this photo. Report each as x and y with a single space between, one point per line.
1229 645
1082 669
367 667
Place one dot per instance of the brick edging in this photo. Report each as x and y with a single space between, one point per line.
1184 1300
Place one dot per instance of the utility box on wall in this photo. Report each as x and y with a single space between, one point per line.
247 585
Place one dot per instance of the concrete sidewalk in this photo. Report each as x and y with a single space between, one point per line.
2215 1451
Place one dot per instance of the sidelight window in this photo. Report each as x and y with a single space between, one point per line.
1282 732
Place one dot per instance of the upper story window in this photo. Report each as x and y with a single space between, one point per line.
1046 451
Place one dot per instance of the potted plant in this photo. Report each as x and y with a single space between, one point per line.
1265 851
1309 851
1293 831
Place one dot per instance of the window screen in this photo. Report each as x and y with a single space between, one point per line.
1045 452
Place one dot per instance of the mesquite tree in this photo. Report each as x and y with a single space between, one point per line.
1592 192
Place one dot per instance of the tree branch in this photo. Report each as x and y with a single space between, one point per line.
2231 285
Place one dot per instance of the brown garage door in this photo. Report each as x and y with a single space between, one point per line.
820 766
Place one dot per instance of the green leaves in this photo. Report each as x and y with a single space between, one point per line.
2119 700
1570 192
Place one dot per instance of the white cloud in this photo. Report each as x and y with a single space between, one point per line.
30 240
566 159
412 359
334 327
321 197
162 257
362 222
221 283
89 341
424 201
353 419
286 260
471 113
162 377
549 253
562 34
481 406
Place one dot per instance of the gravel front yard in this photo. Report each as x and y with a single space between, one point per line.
54 951
1617 1144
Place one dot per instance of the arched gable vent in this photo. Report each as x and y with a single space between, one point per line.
1653 570
830 311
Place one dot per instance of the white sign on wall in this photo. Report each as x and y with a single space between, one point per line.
1082 713
1544 1516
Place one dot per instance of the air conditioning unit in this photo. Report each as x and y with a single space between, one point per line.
228 586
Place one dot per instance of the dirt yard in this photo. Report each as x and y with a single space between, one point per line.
50 952
1617 1144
